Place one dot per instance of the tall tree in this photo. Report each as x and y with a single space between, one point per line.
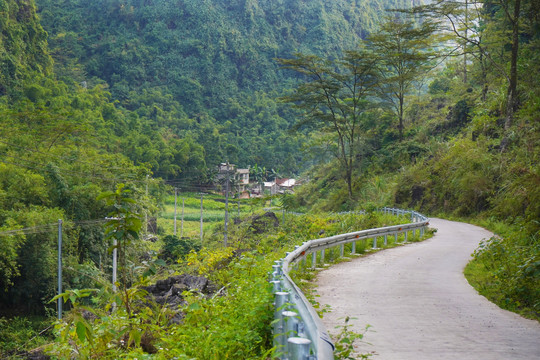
334 100
512 12
404 48
504 20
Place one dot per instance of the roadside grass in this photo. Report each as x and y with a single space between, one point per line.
506 269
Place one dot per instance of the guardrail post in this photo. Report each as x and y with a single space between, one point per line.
353 250
406 235
342 249
395 238
290 323
279 336
385 240
314 261
276 286
298 348
374 242
322 256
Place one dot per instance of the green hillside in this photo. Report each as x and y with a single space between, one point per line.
210 61
107 104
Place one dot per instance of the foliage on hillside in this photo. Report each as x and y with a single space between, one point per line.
212 60
461 156
171 88
231 322
23 50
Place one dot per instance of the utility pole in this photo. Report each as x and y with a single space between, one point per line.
146 211
59 268
175 195
226 207
202 194
114 264
182 221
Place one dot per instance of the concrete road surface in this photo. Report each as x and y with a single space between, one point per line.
420 305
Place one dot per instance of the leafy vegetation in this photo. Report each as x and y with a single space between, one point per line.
233 322
460 154
147 93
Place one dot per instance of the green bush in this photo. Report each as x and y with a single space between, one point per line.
18 334
176 248
507 271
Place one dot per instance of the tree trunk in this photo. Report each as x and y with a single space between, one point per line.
512 87
400 115
349 183
465 43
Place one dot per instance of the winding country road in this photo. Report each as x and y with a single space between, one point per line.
420 305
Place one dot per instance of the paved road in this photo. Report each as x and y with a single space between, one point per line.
420 305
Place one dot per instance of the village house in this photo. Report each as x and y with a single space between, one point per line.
238 178
285 185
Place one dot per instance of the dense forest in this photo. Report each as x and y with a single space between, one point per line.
203 71
434 107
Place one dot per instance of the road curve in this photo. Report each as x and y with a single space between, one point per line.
420 305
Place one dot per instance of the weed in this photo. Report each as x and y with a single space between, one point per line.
345 342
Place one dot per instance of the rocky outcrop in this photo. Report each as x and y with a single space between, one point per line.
169 291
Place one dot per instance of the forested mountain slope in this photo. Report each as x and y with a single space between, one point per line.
24 45
211 60
140 88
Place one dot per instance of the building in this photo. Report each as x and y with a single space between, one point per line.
285 185
238 178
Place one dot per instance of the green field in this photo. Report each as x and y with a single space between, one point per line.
213 212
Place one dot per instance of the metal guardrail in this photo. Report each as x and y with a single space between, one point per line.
299 333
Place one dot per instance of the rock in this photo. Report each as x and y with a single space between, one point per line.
261 223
